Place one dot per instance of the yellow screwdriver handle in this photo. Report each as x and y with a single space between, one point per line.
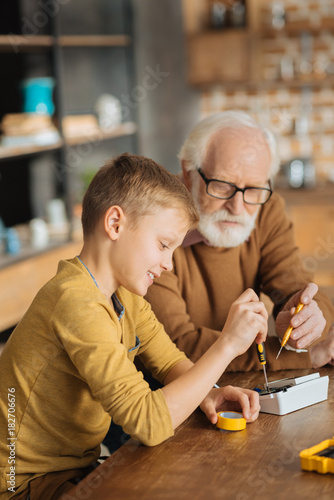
261 353
290 328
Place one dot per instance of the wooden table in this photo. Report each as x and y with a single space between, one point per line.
202 462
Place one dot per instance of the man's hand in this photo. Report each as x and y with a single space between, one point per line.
323 353
308 324
231 398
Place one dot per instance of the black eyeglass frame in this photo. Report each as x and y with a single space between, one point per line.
236 189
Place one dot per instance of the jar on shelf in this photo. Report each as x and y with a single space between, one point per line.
37 95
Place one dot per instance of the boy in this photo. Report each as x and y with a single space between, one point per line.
68 366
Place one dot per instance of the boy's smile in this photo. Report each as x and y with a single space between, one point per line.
152 276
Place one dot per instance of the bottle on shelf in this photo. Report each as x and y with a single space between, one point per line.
237 14
218 15
228 14
278 15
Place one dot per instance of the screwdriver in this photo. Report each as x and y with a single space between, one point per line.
289 329
262 358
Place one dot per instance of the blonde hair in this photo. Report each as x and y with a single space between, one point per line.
194 148
139 186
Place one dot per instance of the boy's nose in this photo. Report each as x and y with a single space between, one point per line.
167 265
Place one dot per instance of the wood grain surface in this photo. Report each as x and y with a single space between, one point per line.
202 462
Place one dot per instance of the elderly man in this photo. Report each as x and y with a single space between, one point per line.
244 239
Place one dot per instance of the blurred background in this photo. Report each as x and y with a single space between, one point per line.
83 80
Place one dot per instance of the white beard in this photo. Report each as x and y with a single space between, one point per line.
225 236
219 235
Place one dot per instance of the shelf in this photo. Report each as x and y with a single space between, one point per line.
94 40
12 152
269 84
17 42
299 83
297 29
98 135
20 281
27 252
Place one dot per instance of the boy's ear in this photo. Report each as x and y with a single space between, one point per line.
112 221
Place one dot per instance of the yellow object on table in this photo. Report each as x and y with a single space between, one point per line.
231 421
319 458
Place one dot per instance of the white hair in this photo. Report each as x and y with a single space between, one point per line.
194 148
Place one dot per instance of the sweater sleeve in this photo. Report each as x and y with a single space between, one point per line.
281 269
171 310
157 351
91 336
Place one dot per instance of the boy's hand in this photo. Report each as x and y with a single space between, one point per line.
231 398
308 324
247 320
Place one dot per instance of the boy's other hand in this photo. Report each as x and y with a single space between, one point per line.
231 398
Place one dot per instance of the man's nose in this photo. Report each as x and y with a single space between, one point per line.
236 204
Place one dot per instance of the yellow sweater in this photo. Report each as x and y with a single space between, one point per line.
69 364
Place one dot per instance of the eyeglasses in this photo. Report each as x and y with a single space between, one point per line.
225 190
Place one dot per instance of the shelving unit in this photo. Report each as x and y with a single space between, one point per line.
22 275
216 56
231 57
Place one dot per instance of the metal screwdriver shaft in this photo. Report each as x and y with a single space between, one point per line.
279 352
265 376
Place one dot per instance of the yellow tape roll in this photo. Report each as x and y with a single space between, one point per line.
231 421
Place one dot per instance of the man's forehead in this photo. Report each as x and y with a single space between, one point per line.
241 138
237 147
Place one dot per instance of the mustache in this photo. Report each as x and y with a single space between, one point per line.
224 216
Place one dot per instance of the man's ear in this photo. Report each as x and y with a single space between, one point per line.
186 175
113 220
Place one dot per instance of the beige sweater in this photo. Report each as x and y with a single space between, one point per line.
193 300
70 365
